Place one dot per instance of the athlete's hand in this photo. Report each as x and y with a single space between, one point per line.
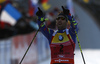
65 11
39 13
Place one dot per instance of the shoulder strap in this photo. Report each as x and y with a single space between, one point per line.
54 33
67 31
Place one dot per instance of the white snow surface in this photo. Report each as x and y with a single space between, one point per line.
92 56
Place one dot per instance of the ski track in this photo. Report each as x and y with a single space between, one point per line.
92 56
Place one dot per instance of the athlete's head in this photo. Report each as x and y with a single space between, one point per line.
61 21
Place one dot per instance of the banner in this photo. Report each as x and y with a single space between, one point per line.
19 46
5 51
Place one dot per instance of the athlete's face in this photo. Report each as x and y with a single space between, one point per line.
61 22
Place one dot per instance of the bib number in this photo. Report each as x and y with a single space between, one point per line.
61 49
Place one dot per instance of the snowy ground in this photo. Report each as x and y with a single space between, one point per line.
91 57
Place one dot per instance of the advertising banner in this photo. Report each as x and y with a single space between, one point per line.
19 46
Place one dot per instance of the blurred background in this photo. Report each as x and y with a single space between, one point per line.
18 25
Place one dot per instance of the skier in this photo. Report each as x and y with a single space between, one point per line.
62 41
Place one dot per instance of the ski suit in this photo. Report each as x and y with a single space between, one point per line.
62 43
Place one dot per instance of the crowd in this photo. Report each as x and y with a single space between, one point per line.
26 24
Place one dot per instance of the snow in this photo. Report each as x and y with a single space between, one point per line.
92 56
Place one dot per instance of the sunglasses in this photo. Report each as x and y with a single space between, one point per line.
62 18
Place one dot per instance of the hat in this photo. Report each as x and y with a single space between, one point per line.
61 13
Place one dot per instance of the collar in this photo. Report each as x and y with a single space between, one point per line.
61 31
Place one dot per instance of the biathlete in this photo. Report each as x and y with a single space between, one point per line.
62 41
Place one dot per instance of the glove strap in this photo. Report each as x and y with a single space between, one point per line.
74 21
42 19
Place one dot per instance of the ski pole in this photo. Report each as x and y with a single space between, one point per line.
80 47
32 41
29 47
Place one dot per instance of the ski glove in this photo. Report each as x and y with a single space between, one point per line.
67 13
70 18
39 13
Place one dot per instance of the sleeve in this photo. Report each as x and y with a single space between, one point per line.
46 31
72 29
